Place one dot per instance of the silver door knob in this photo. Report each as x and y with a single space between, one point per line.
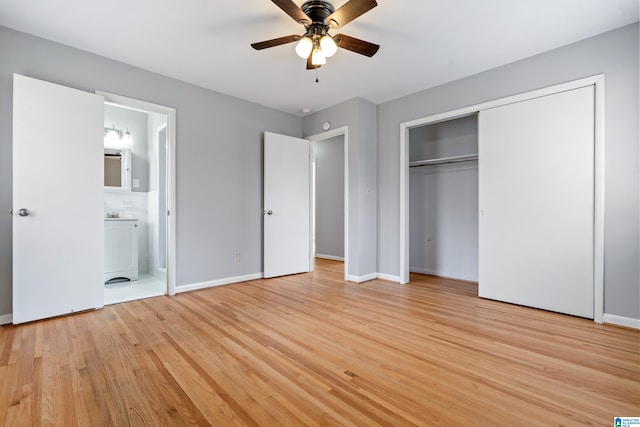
23 212
269 212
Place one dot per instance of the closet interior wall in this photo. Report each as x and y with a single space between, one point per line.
443 205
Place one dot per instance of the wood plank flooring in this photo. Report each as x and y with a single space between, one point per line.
313 350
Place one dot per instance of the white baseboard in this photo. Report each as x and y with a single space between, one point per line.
613 319
6 319
364 278
388 277
218 282
372 276
444 274
331 257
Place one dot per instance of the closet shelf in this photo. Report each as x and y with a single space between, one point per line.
442 160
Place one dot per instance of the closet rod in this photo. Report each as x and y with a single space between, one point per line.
443 160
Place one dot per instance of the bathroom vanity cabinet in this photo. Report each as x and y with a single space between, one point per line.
120 248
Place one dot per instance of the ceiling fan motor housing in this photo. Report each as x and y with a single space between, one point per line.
317 11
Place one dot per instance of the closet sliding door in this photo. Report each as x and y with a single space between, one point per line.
536 200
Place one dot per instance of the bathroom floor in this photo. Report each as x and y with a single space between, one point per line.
145 287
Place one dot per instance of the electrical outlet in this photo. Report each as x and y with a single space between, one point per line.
236 256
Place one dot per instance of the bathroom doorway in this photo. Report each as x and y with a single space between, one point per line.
139 221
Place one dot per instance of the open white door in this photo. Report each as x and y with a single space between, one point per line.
58 229
536 184
287 226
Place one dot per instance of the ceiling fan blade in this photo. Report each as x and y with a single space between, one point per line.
275 42
356 45
292 9
350 11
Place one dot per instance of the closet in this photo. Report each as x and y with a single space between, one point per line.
443 198
509 193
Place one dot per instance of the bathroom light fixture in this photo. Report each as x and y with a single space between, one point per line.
126 137
114 136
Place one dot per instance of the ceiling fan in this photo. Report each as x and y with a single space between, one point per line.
318 18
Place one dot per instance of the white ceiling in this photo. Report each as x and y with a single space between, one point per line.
424 43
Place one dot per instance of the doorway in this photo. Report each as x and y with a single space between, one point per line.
147 132
330 196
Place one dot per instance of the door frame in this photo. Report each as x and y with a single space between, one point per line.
136 104
344 132
598 262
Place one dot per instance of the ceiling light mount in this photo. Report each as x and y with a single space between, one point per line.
317 11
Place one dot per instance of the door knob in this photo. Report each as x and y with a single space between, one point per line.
23 212
269 212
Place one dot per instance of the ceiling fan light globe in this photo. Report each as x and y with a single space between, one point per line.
318 57
304 47
328 46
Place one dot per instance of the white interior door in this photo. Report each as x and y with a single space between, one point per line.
58 231
536 179
287 224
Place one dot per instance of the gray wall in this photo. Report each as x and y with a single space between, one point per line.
329 203
219 155
443 200
360 116
615 54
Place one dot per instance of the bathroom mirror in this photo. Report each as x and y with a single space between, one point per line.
117 169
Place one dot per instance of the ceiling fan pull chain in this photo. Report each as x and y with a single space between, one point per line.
317 74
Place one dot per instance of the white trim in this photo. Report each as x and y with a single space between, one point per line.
628 322
218 282
344 131
360 279
598 82
404 203
390 277
136 104
6 319
598 203
312 203
443 274
313 182
331 257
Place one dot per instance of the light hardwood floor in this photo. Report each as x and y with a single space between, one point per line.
311 349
